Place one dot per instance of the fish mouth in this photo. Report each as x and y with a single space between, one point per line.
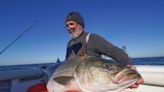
125 75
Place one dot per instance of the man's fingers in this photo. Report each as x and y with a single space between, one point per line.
134 86
140 81
131 66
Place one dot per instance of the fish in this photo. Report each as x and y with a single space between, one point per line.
91 74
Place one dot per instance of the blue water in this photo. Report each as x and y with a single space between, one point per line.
137 61
19 67
149 61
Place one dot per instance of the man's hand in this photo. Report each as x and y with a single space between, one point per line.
135 85
140 81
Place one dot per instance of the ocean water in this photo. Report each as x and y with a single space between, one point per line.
149 61
20 67
137 61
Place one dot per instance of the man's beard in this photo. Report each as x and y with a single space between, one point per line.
71 33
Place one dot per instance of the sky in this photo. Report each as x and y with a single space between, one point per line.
136 24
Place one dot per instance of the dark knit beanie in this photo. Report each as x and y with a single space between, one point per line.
76 17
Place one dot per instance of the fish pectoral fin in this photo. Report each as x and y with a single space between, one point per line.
64 80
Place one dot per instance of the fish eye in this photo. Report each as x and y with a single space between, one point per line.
107 66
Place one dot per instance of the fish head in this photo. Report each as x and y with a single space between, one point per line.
106 75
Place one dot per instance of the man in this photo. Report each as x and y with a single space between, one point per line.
83 43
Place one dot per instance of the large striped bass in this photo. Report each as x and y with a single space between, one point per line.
91 74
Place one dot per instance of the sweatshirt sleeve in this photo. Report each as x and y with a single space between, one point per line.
108 49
